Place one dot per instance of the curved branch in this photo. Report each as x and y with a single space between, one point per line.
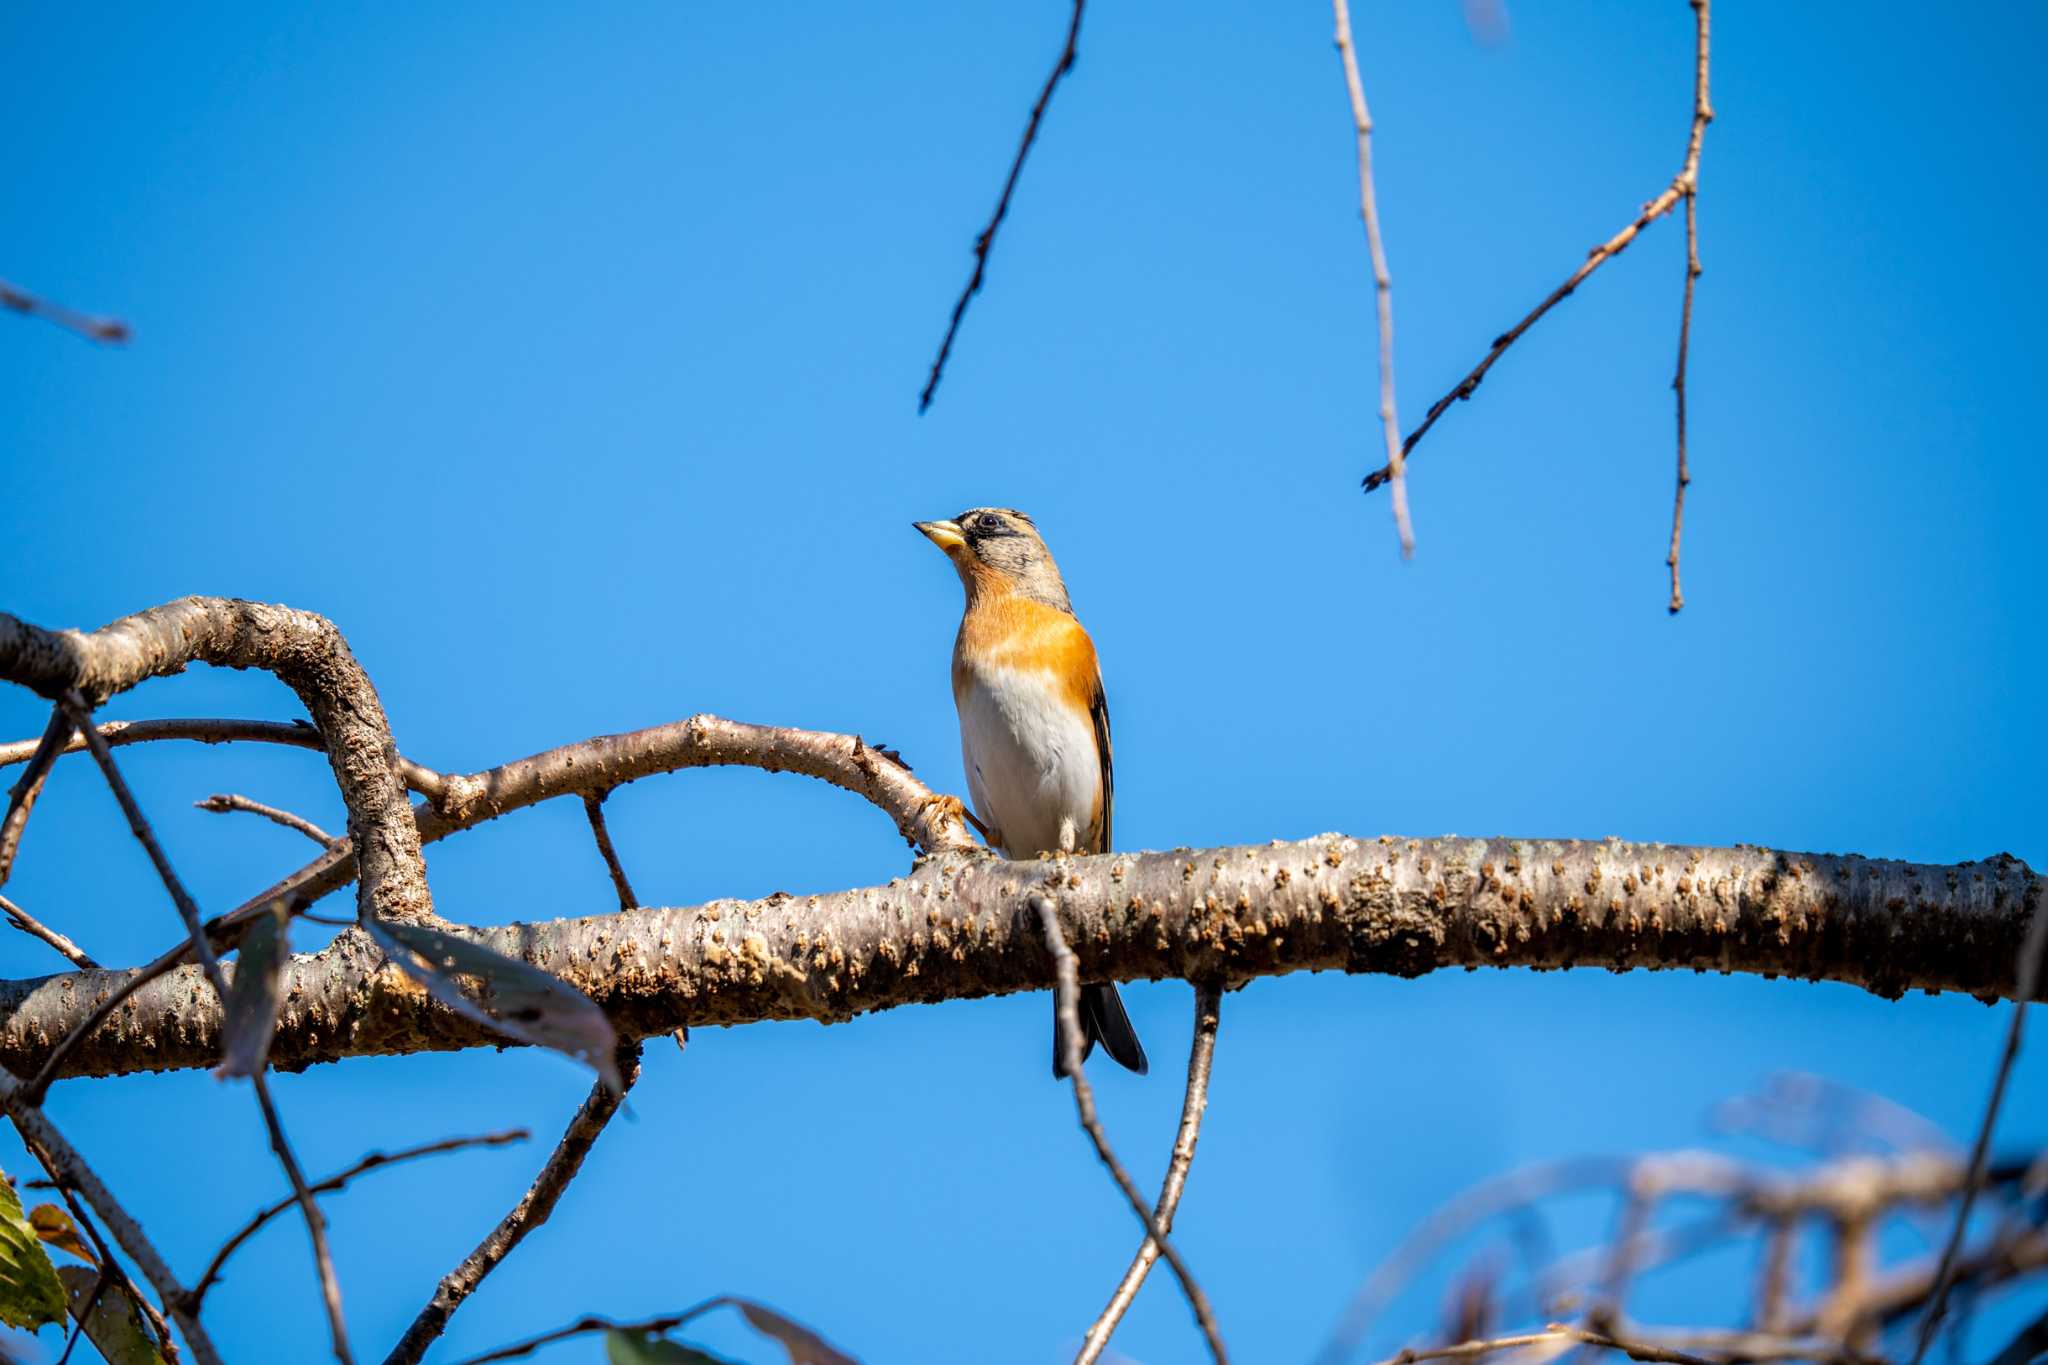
960 927
306 653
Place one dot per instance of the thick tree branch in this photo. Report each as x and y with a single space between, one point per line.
960 927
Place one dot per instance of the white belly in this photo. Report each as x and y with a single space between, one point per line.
1031 761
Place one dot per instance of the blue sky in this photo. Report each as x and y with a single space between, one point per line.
568 361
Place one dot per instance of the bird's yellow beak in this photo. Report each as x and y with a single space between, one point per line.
947 535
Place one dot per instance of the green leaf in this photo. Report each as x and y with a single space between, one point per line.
521 1000
639 1348
30 1294
115 1328
253 995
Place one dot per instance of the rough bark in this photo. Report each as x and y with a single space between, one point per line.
961 926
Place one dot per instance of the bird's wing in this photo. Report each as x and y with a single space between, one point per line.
1098 711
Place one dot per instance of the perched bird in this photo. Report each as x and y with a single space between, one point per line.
1034 728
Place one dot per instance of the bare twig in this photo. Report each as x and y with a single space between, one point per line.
1683 186
110 330
1382 281
988 234
1201 1054
1067 995
339 1181
529 1213
223 802
593 807
2029 971
316 1223
296 734
70 1171
1702 115
804 1346
29 924
21 798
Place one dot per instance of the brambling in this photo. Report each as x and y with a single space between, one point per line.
1034 728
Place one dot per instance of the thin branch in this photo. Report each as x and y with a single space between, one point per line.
29 924
1702 115
111 330
339 1181
593 807
70 1170
188 910
297 734
222 803
1067 994
1201 1054
529 1213
1682 186
316 1224
21 798
988 234
2029 970
1382 281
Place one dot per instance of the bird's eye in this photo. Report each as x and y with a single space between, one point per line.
988 521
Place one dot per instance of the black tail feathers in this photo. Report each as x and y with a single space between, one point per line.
1102 1021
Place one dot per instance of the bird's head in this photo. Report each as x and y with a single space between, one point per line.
998 549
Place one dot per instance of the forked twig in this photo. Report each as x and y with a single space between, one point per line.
1068 996
988 234
1201 1054
1683 186
530 1212
1382 282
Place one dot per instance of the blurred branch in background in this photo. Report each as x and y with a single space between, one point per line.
111 330
1878 1169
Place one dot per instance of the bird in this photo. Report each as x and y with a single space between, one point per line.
1034 725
